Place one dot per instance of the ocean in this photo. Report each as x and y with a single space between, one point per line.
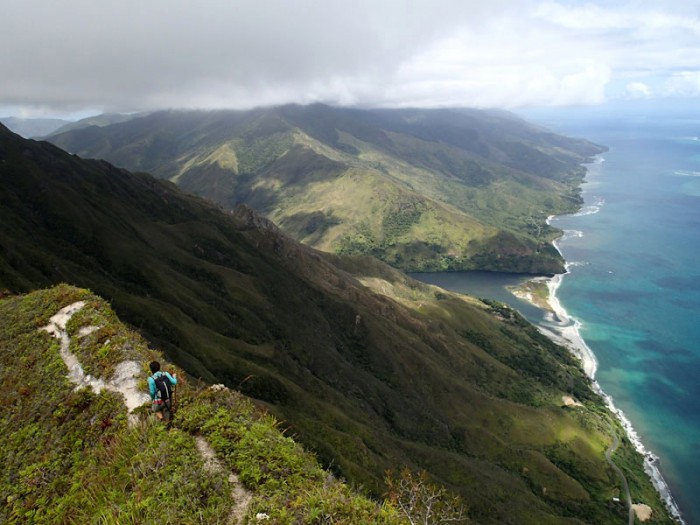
633 288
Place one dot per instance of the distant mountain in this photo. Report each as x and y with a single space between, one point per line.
368 368
33 127
419 189
101 120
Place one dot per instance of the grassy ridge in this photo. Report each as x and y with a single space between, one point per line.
70 456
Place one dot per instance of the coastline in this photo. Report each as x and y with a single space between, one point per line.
563 329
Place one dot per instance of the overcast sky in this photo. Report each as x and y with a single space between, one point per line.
85 56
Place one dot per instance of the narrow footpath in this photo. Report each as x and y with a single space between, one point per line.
240 496
125 379
125 382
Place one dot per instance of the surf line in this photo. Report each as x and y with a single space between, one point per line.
566 331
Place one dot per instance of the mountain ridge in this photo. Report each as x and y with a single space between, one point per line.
33 127
420 189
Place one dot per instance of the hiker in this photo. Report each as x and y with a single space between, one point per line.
160 385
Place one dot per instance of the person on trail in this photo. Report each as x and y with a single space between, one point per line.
160 386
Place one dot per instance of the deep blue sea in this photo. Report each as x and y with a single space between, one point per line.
634 281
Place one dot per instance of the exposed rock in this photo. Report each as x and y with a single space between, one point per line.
125 379
252 220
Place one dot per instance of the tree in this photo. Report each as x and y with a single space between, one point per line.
422 501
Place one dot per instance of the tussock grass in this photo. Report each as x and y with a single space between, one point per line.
288 482
69 455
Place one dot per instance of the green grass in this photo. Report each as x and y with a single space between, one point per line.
289 484
70 456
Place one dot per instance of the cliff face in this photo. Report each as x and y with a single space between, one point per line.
368 368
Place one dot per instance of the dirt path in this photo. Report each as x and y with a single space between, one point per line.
126 382
240 496
125 379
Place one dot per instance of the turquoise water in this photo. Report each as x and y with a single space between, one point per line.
634 281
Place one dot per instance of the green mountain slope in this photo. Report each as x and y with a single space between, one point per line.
76 455
370 369
420 189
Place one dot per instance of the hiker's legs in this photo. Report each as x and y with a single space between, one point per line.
165 413
162 410
157 409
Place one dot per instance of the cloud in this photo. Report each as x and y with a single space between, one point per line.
635 90
133 55
683 83
610 16
505 62
139 54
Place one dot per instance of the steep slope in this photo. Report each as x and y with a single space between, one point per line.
70 454
370 369
420 189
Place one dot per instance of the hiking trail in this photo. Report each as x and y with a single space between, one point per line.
240 495
125 381
125 378
608 456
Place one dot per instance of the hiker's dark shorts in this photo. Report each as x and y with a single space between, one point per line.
162 406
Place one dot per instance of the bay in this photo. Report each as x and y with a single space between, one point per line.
487 285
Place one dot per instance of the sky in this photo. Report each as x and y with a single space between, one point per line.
71 58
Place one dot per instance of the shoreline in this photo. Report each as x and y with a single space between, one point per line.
565 330
568 335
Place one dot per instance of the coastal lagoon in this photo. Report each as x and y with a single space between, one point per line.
633 288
